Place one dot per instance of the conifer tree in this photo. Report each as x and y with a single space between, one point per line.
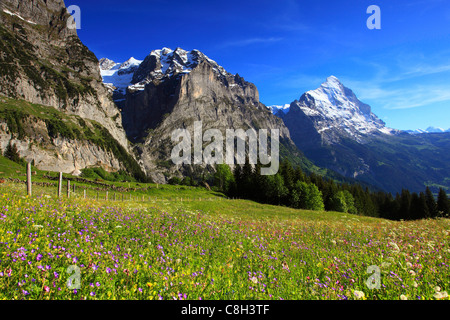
443 205
431 203
405 205
419 209
12 153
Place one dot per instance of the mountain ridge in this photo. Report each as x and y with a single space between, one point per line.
45 66
171 89
334 129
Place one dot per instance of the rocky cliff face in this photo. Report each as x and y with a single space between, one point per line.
171 89
331 113
58 154
43 61
49 148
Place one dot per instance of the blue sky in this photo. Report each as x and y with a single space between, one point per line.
288 47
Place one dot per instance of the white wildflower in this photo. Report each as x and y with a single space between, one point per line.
394 246
358 294
441 295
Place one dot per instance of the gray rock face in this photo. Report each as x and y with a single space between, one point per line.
57 154
171 89
44 62
330 114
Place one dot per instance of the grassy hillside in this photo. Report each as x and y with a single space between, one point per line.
18 114
165 248
394 163
9 168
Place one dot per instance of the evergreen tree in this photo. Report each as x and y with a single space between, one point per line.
443 205
246 181
419 209
299 175
328 194
187 181
338 202
425 211
287 172
349 202
237 187
314 200
223 178
370 205
276 190
307 196
431 203
259 184
173 180
405 205
359 198
12 153
387 208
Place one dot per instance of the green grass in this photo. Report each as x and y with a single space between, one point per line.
9 168
213 248
18 113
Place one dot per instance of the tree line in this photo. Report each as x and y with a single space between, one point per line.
293 188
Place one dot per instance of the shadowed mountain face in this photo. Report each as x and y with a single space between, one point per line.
43 61
337 131
171 89
54 106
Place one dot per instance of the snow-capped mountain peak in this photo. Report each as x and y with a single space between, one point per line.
434 130
336 112
275 108
161 64
428 130
130 63
107 64
118 76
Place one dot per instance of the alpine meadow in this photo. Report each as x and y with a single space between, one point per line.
165 177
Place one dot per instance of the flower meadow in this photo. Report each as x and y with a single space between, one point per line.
84 249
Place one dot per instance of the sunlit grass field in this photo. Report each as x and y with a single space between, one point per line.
158 246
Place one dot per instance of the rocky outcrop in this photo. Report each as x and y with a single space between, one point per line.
171 89
44 62
59 153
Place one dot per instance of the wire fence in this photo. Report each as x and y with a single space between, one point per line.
80 188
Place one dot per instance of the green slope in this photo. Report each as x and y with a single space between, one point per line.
18 114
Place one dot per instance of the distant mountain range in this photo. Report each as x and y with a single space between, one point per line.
67 111
170 89
428 130
339 132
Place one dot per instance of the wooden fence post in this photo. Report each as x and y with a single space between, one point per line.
84 194
60 184
68 188
106 197
29 179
